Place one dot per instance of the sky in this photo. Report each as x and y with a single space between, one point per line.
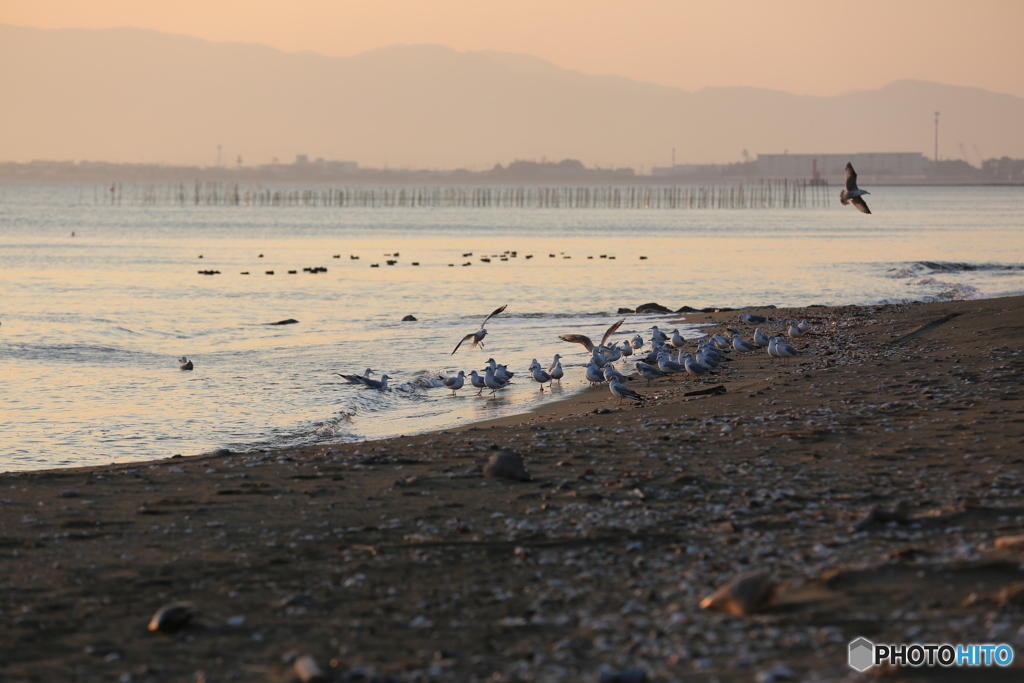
806 47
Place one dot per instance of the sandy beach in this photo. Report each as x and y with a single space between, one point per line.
875 482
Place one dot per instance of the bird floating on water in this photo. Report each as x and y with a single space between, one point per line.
186 364
852 193
478 336
356 379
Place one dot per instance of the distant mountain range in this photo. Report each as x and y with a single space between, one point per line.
133 95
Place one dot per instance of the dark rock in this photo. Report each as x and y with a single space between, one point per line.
652 308
220 453
409 319
170 618
686 309
624 311
508 465
624 676
68 493
742 596
289 321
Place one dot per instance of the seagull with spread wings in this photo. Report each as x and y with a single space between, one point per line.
585 340
851 193
478 336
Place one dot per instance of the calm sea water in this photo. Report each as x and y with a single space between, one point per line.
91 325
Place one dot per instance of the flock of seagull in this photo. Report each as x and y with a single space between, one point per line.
663 355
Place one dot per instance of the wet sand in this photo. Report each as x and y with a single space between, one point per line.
398 560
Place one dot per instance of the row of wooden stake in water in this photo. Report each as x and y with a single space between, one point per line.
762 194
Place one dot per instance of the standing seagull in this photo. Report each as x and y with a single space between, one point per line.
622 392
478 336
851 193
455 383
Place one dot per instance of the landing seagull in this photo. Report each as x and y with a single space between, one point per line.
478 336
585 340
851 193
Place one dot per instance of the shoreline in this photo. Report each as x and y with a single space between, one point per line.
398 558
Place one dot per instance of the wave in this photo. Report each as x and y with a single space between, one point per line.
916 268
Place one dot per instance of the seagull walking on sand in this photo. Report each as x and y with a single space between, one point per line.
648 372
783 350
622 392
478 337
761 339
852 193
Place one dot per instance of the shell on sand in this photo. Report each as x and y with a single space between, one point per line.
507 464
742 596
170 617
308 671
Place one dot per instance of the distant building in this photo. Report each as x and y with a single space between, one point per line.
899 164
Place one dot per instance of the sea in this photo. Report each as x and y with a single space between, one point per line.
98 301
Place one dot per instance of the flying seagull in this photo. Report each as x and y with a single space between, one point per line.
851 193
478 336
585 340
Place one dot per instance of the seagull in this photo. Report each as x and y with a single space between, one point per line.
557 372
784 350
637 342
626 349
742 346
611 374
455 383
760 339
648 372
382 385
540 376
594 374
658 334
693 367
794 330
585 340
478 336
667 365
676 340
751 319
622 392
851 193
804 326
355 379
477 382
493 383
186 364
554 362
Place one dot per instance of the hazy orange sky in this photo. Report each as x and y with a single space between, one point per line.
811 47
